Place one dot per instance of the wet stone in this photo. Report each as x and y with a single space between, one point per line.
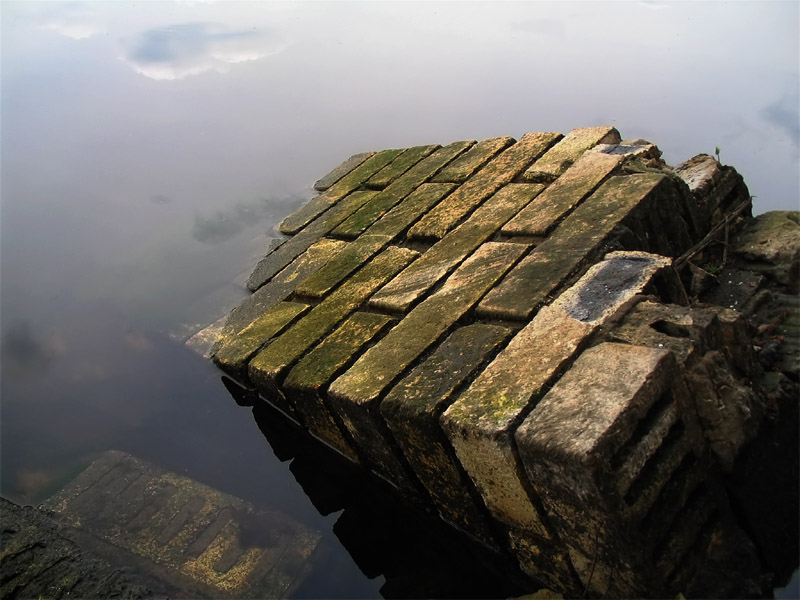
499 171
340 171
412 409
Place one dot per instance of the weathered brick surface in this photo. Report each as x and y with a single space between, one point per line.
446 254
412 410
558 159
573 243
375 238
489 179
355 393
473 159
347 184
442 343
307 381
323 183
272 362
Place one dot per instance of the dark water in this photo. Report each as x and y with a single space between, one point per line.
149 150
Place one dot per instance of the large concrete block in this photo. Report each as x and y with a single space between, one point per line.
614 452
481 422
473 159
323 183
559 158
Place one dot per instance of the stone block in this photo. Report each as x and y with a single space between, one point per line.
269 365
574 242
306 383
355 394
279 258
347 184
282 285
611 438
235 351
374 239
473 159
398 166
564 194
400 188
444 256
412 409
481 422
559 158
498 172
323 183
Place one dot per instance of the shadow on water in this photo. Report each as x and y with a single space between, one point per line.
417 555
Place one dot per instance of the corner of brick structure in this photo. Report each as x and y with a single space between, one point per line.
560 345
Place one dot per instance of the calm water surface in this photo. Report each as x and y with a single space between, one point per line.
149 150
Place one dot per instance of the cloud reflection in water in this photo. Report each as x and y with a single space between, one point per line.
178 51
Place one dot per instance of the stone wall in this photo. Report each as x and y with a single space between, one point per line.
502 330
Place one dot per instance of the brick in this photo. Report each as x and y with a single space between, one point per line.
305 385
412 409
282 285
341 170
480 423
279 258
575 241
355 393
615 423
398 166
447 253
399 189
272 362
500 171
566 192
374 239
347 184
233 354
465 165
558 159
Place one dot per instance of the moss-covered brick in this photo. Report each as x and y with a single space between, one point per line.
354 394
323 183
566 192
573 242
412 409
400 188
272 362
498 172
481 422
558 159
279 258
473 159
235 351
398 166
374 239
305 385
281 286
347 184
447 253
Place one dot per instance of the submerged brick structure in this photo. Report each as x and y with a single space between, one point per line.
499 329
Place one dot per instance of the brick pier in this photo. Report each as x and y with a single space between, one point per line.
501 330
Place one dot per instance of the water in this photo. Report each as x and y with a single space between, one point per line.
150 149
